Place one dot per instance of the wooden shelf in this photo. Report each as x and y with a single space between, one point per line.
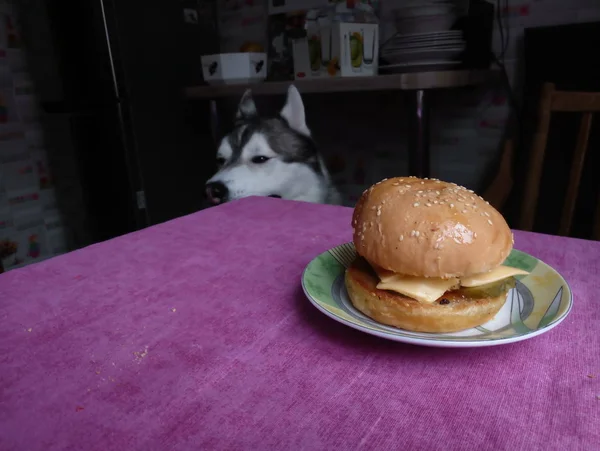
397 82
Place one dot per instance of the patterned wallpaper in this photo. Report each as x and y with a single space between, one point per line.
31 225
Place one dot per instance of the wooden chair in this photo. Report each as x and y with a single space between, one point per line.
552 101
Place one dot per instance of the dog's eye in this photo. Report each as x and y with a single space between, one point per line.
220 161
260 159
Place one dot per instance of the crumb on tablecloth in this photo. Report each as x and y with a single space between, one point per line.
139 356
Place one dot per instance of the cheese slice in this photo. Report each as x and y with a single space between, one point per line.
422 289
495 275
383 274
430 289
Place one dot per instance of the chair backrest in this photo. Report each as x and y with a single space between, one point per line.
551 101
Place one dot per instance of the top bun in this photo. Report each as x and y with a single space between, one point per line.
430 228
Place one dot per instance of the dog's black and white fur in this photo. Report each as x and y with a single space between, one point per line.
273 156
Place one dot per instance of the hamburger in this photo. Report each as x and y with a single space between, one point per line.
429 256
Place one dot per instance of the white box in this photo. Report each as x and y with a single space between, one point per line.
338 49
234 68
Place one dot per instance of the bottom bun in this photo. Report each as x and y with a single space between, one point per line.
460 309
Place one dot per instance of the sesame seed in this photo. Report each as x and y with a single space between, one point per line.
435 201
442 202
487 202
437 181
408 186
416 204
490 221
413 232
401 237
464 211
451 205
436 246
474 234
438 193
395 184
428 204
378 212
420 191
417 233
422 183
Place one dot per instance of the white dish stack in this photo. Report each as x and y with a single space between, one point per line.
424 37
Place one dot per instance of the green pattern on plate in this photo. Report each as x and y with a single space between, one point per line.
323 271
540 301
521 260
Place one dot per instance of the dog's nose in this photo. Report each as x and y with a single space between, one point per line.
217 192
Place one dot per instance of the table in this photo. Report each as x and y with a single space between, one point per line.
416 85
195 334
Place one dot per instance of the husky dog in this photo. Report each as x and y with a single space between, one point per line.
272 156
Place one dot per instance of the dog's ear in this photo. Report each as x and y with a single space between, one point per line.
247 107
293 111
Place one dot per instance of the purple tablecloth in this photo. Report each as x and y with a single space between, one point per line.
195 334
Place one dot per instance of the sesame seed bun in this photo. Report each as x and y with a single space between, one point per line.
429 228
457 310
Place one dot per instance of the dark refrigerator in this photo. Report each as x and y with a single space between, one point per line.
109 77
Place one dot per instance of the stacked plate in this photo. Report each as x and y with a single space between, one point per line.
425 16
424 37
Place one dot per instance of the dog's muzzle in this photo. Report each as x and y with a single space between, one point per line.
217 193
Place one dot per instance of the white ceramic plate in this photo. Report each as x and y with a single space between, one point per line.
421 37
416 55
418 65
401 45
428 35
540 302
